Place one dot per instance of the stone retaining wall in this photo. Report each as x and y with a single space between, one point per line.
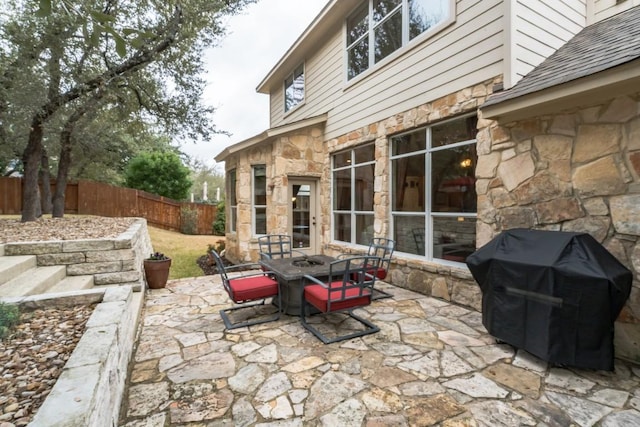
90 388
110 261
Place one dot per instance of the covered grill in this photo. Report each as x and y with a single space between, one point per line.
554 294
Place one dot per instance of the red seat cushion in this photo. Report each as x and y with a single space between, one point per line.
253 288
318 296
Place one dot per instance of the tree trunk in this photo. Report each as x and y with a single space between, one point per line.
31 159
63 173
45 182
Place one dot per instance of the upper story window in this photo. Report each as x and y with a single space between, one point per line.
380 27
259 199
294 88
233 201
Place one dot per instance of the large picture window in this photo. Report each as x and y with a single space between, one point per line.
294 88
434 200
259 200
233 201
353 176
380 27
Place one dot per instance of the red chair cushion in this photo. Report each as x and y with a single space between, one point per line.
318 296
252 288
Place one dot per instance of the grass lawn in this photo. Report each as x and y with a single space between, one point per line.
183 250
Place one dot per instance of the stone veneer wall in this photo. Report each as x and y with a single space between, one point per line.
429 278
110 261
575 171
297 154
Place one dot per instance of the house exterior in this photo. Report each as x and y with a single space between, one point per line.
378 128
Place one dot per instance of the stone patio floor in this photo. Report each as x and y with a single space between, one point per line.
432 363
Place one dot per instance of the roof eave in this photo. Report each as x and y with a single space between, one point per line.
584 91
269 135
321 27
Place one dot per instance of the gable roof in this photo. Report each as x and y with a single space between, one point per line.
607 44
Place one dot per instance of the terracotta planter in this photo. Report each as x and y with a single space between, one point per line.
156 272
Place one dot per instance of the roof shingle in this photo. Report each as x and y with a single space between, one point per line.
606 44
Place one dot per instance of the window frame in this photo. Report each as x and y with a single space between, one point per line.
233 200
292 76
352 212
428 213
407 43
254 205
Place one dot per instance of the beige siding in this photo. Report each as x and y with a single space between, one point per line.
603 9
323 80
538 28
465 53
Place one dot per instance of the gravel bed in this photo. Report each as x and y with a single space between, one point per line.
32 357
67 228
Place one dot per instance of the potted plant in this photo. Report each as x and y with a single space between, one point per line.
156 270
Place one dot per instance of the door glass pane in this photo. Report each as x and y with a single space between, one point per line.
388 36
342 190
342 227
454 239
409 233
301 222
424 14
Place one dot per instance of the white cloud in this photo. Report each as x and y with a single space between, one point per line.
256 40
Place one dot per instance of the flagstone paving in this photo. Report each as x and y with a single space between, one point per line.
432 363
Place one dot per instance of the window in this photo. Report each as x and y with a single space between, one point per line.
233 201
434 201
259 200
353 176
380 27
294 88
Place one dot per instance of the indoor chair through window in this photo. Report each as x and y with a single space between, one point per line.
251 289
349 286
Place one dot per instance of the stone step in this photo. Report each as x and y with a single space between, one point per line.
34 281
13 266
71 283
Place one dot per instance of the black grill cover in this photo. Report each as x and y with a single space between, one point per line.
554 294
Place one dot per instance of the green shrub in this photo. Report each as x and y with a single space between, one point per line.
9 317
218 227
188 220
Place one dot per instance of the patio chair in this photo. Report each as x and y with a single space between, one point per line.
382 248
249 289
349 286
277 246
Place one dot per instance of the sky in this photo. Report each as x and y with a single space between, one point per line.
256 39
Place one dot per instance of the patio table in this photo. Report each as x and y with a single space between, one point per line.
290 273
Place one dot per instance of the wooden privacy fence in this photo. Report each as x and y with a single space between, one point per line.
95 198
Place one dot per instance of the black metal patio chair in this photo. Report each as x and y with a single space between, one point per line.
250 289
276 246
349 286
